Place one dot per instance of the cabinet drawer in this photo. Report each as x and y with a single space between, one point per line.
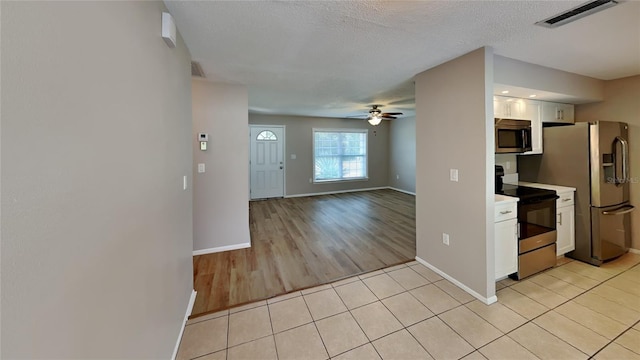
565 199
505 211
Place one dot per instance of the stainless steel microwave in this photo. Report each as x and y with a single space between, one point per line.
512 136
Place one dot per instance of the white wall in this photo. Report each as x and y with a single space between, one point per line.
621 103
299 141
402 155
531 76
454 125
221 193
96 228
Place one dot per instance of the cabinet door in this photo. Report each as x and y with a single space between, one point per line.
567 113
566 230
499 109
557 112
508 107
506 248
550 112
517 108
532 111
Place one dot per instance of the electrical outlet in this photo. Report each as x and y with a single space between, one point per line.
201 167
445 239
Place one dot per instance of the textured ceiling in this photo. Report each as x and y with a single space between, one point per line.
335 58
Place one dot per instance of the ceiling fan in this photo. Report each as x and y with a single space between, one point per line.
376 115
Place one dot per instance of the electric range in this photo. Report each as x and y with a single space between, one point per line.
525 193
536 228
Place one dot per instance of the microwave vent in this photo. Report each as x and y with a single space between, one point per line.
577 13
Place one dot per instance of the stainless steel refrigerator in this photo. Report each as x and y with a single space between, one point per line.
593 158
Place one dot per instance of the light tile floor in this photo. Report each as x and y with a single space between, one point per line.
573 311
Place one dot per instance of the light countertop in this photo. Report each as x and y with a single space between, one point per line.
502 199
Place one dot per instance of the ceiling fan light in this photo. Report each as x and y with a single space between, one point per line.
375 120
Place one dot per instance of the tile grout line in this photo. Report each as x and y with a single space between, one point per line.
316 326
356 320
429 282
436 315
616 338
273 334
551 309
630 327
403 327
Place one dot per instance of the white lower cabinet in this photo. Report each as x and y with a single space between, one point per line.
565 223
506 240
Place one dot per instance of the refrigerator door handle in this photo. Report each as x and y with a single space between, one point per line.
623 210
625 159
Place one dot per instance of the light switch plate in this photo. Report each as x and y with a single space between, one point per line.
445 239
453 174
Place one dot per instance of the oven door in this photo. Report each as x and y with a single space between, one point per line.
536 223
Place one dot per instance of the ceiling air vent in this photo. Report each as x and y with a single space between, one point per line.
577 13
196 69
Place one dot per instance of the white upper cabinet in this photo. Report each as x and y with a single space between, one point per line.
558 112
508 107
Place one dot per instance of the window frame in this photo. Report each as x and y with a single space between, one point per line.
339 130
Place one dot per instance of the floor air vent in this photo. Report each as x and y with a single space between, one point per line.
577 13
196 69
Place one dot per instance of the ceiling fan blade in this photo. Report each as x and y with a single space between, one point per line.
393 113
389 117
363 116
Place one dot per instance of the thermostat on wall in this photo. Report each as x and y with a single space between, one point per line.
168 30
203 137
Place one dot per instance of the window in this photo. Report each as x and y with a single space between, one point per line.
267 135
339 154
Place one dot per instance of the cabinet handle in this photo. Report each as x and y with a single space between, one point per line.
560 219
566 199
505 212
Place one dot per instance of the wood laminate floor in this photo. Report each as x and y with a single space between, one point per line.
298 243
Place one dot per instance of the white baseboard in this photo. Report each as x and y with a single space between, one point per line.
192 301
402 191
336 192
221 248
634 251
485 300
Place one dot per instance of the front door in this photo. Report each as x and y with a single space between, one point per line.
267 161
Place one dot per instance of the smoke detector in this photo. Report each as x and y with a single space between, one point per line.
576 13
